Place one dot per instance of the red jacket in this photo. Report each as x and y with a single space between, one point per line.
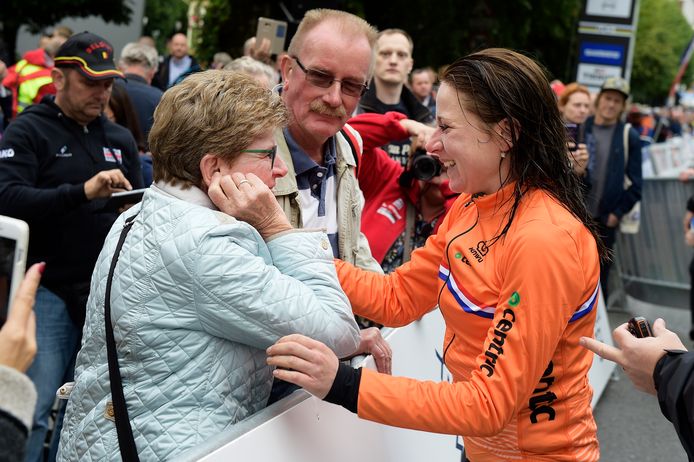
385 211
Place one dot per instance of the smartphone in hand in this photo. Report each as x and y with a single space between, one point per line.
14 243
572 135
273 30
640 327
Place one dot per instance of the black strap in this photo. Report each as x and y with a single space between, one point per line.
126 441
349 139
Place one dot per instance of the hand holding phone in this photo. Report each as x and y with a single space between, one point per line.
572 135
273 30
14 242
639 327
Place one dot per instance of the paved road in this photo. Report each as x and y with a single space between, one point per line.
630 425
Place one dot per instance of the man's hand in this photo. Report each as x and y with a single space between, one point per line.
637 356
105 183
18 335
247 198
612 221
418 130
261 51
304 362
373 343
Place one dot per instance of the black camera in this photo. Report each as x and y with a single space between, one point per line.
424 167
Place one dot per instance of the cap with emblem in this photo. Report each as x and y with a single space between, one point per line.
89 54
616 84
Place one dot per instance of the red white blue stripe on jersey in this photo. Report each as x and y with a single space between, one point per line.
464 299
588 306
470 305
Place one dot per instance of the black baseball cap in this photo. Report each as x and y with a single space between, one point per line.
90 54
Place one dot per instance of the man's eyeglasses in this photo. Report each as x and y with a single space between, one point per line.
271 153
324 80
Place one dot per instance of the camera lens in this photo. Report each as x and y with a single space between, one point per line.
425 167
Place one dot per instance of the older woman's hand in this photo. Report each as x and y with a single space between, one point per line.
247 198
18 335
373 343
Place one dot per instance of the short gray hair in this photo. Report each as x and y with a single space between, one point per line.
252 67
138 54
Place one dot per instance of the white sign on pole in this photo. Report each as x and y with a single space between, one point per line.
593 75
609 8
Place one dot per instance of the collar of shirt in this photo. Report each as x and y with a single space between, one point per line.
302 162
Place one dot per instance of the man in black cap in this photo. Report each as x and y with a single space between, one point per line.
59 161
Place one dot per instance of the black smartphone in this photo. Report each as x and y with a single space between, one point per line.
640 327
121 199
572 134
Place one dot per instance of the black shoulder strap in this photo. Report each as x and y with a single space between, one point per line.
353 146
126 441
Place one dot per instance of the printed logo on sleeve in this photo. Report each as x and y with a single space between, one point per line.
6 153
113 155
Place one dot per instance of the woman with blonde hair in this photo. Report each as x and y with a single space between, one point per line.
196 281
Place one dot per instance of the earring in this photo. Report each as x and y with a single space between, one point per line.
503 154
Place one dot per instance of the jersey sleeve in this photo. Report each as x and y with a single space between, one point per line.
403 296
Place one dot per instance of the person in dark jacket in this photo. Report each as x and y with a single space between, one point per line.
176 65
607 199
139 64
60 160
657 365
387 91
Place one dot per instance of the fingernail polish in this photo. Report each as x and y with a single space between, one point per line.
42 267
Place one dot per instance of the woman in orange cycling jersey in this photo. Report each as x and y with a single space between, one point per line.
514 269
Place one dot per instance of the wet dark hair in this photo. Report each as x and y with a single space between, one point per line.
503 85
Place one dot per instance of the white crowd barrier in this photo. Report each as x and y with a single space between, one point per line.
301 428
668 158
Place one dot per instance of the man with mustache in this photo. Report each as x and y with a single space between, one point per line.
326 71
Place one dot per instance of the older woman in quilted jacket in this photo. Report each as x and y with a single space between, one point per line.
209 276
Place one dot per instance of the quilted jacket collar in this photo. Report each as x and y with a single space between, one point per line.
193 194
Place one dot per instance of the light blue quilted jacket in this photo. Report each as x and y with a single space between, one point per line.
197 297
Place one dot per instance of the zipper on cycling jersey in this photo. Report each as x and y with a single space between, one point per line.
443 359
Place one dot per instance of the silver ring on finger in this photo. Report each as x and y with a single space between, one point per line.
242 182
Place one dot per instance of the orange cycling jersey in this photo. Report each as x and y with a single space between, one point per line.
514 308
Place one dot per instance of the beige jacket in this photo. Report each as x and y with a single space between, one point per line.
353 246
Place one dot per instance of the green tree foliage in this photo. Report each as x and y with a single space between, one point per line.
545 29
442 31
165 18
661 38
37 14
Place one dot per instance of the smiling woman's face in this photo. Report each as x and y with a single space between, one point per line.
468 149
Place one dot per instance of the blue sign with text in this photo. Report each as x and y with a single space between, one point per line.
601 53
